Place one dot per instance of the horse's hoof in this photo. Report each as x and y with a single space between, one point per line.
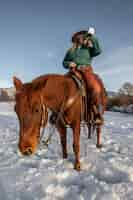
99 146
89 137
65 156
77 166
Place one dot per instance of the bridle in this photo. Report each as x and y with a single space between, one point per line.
44 118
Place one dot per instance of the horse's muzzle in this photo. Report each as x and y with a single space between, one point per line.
28 151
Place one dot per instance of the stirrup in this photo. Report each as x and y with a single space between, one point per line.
99 120
83 123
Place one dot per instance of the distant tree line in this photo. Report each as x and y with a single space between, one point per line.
124 96
4 96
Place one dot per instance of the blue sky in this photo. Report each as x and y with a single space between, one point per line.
35 34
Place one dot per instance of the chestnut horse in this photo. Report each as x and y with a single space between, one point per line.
58 93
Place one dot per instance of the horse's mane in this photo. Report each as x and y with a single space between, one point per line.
36 83
40 81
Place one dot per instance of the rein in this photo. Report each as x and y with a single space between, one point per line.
43 121
44 109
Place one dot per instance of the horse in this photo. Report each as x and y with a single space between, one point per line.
54 92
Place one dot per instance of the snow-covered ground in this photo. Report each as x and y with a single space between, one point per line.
106 174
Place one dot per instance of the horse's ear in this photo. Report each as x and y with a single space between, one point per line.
17 83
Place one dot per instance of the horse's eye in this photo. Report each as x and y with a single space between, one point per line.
36 110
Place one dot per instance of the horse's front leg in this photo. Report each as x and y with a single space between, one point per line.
76 145
98 129
62 132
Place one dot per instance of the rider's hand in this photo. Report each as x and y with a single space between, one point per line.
72 65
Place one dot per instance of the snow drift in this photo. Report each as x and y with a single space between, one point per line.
106 174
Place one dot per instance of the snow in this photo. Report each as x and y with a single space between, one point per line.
123 109
106 173
129 108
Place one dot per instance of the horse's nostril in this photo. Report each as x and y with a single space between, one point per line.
28 151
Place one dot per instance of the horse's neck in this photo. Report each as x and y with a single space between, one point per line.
54 95
56 90
62 94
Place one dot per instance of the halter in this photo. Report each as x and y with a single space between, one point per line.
43 118
43 122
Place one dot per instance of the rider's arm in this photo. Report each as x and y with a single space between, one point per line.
95 50
67 59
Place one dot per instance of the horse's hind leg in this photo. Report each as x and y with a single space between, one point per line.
89 130
62 132
99 144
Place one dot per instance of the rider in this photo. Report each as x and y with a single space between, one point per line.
85 47
83 50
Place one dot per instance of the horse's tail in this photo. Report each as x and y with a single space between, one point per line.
103 96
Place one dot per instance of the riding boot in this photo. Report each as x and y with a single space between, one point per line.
98 119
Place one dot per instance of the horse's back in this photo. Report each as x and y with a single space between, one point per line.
59 83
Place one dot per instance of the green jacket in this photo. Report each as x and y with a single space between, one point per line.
82 55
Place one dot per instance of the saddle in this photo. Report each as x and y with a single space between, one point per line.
81 84
89 113
80 81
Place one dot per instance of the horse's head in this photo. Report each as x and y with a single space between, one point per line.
31 113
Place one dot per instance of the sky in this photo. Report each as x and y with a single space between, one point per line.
35 35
